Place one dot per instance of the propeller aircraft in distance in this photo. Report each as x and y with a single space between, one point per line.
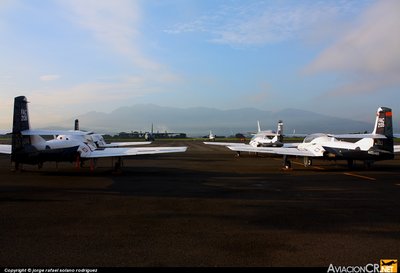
266 138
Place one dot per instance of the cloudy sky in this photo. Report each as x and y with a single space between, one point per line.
69 57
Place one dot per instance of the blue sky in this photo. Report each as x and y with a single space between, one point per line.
69 57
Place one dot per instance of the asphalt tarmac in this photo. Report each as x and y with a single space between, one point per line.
204 207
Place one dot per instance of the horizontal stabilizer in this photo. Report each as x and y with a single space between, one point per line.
356 136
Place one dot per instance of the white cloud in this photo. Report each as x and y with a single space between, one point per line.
116 25
258 23
367 54
113 23
48 78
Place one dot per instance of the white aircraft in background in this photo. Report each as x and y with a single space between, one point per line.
28 147
149 136
97 139
267 138
211 136
371 147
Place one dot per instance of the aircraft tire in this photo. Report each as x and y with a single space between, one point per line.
307 161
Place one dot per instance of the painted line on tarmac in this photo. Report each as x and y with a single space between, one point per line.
318 168
360 176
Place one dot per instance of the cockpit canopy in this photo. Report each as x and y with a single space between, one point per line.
310 138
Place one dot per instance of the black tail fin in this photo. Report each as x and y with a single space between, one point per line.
21 118
20 123
280 131
76 128
384 126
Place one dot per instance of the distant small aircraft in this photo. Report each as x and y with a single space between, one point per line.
266 138
149 136
371 147
28 147
211 136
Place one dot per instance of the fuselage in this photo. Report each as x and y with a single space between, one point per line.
63 148
96 140
322 145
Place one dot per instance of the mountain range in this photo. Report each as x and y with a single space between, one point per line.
199 121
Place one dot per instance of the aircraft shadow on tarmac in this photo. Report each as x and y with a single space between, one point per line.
322 195
310 203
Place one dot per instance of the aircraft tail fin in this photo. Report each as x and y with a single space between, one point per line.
258 126
21 118
20 123
76 127
279 132
384 126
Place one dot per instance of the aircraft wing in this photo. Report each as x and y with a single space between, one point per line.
119 152
238 144
5 149
294 135
374 136
123 144
291 145
52 132
277 150
225 143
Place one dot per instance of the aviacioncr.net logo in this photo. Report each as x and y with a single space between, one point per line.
368 268
389 265
385 265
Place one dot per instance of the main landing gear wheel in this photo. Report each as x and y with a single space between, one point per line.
307 162
287 164
118 164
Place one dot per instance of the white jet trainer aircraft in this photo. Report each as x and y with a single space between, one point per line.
28 147
371 147
267 138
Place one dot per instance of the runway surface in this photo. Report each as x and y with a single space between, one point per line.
204 207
